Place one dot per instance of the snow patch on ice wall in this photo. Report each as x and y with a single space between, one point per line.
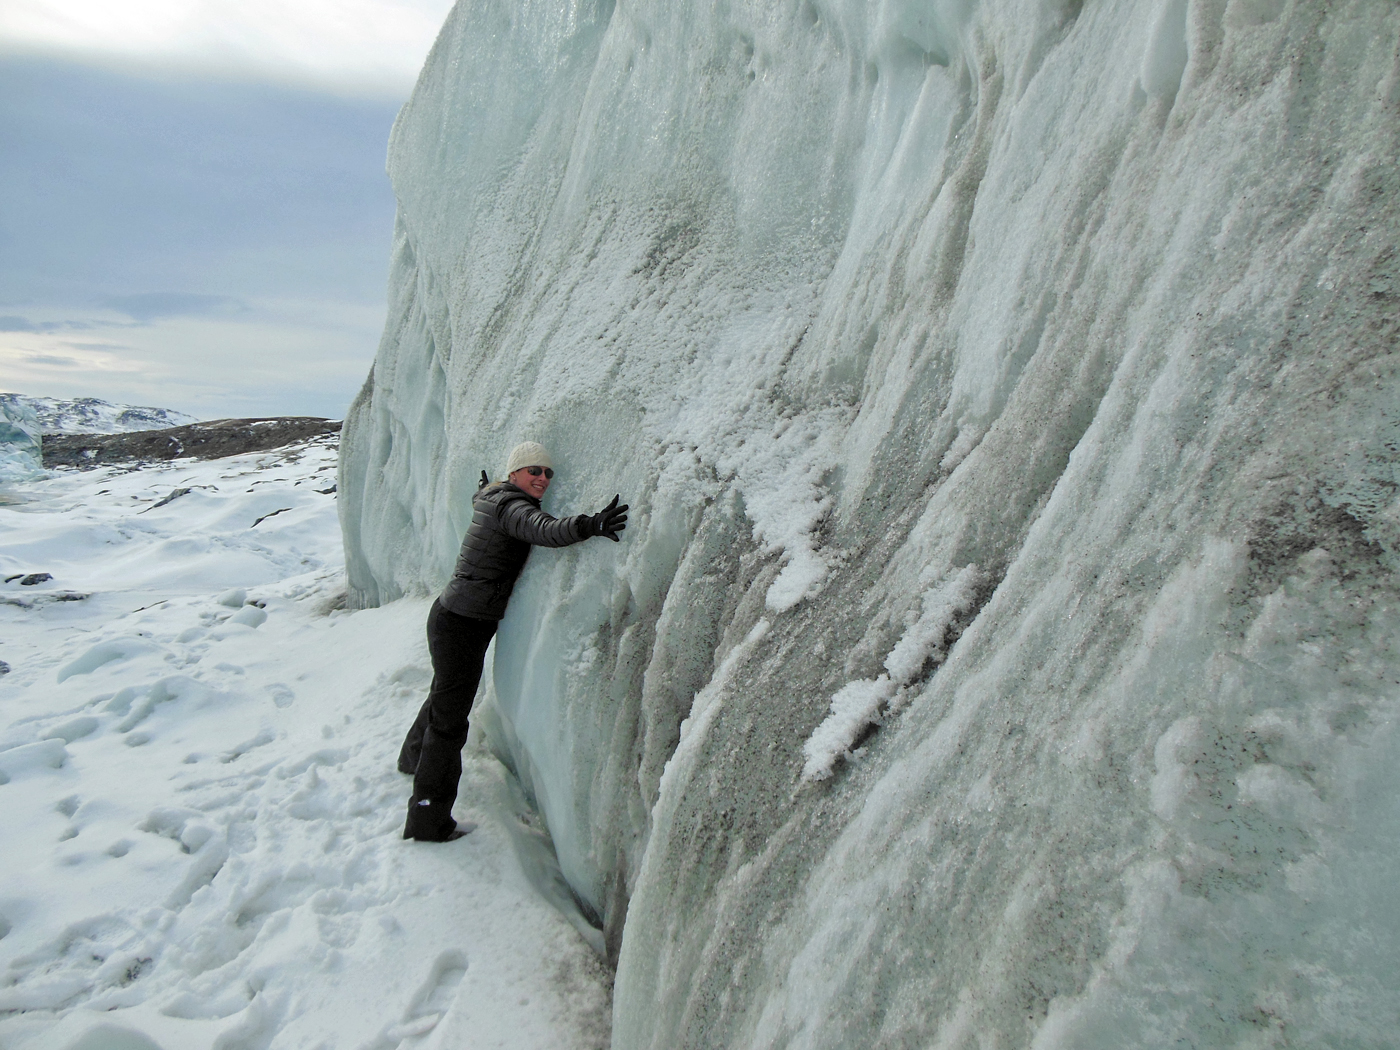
856 708
845 298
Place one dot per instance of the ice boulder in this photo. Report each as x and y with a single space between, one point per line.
21 456
1002 651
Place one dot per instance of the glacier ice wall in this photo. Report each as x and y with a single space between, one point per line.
90 415
1004 651
21 443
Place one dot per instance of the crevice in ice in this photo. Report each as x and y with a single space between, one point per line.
529 833
1167 52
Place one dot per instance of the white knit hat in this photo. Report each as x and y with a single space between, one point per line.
528 454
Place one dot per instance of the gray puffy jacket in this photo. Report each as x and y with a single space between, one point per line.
506 522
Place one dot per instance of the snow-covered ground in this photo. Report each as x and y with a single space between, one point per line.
198 802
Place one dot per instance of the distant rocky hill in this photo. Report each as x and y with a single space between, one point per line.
207 440
89 415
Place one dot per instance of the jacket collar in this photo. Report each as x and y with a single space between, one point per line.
512 490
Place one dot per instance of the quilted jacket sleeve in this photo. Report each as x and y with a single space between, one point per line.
523 520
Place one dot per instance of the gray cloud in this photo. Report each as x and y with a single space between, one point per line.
11 323
168 196
149 306
120 186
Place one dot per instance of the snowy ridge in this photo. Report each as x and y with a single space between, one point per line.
89 415
845 298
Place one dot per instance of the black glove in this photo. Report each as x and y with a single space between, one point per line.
608 522
484 481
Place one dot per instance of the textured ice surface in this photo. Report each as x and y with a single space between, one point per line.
90 415
21 456
846 298
857 706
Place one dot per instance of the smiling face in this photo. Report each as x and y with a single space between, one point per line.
534 484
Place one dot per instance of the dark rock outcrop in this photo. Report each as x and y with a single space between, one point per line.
213 439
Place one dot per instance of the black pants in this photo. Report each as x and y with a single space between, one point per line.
432 751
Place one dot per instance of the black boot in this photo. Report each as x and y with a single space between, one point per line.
430 821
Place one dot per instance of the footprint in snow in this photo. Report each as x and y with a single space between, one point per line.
207 848
264 736
107 652
90 956
432 1000
137 708
311 801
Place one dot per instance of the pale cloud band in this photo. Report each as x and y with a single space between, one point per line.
357 46
284 357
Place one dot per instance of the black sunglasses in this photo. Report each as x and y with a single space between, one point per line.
535 472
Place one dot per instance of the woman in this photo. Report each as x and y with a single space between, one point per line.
506 521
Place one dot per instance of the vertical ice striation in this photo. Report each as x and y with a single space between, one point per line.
21 448
1020 374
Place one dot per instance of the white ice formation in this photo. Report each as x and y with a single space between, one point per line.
845 298
90 415
21 451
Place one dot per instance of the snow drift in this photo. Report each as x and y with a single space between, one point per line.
1006 395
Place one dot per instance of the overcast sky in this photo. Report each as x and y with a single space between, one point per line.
193 207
